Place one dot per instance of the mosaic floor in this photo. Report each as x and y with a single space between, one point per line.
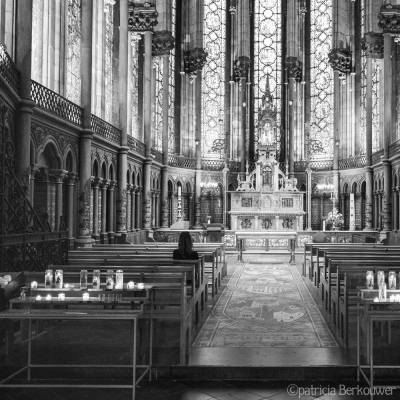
265 305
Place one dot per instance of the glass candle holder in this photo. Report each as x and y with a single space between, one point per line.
392 280
110 279
119 279
85 296
140 285
38 297
369 283
130 285
48 278
61 296
58 279
48 297
96 279
33 285
83 278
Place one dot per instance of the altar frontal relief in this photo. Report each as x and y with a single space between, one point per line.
265 305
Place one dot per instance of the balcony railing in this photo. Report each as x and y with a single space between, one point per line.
8 69
394 149
158 156
181 162
315 165
56 104
377 157
136 145
352 162
106 130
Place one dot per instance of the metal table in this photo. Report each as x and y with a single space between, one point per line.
77 314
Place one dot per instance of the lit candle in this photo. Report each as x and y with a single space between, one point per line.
130 285
48 297
392 298
66 286
61 296
85 296
140 285
398 298
38 297
33 285
376 300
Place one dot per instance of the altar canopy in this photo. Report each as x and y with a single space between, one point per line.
267 199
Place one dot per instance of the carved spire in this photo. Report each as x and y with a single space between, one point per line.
163 43
389 18
142 17
372 43
241 67
294 67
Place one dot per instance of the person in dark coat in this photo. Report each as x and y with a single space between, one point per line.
185 248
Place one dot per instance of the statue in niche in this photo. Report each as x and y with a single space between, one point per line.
267 179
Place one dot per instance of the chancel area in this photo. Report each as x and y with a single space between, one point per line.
199 199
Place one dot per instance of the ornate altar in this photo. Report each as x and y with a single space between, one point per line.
267 200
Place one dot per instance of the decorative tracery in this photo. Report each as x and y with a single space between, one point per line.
73 85
268 60
321 121
213 85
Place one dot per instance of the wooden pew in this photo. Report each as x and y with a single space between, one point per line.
216 270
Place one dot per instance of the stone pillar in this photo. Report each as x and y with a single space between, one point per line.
95 231
133 207
163 43
103 234
194 61
71 191
294 73
59 176
395 208
128 207
110 214
23 60
372 44
123 79
309 189
84 238
139 191
143 19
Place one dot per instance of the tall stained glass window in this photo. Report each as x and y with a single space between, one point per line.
158 106
268 60
171 109
135 84
363 97
213 85
321 119
108 61
73 88
376 131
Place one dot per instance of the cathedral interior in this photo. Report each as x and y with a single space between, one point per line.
258 125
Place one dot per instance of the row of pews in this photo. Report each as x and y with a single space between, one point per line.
180 287
338 272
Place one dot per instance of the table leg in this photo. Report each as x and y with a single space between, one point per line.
134 359
371 358
29 348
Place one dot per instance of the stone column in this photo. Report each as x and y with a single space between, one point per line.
123 79
194 61
294 73
59 176
309 189
139 192
110 214
143 18
72 177
163 43
84 238
133 207
395 209
103 234
373 45
34 169
95 232
23 60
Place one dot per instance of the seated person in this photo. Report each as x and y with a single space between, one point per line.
185 248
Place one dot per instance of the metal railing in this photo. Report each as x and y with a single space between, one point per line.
136 145
181 162
8 70
352 162
56 104
315 165
106 130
